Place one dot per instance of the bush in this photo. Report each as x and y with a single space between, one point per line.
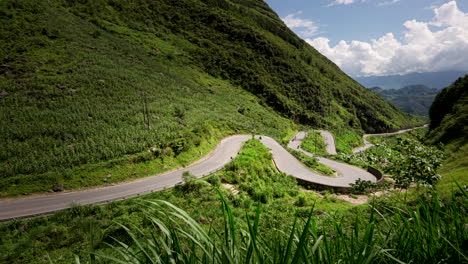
214 180
362 186
301 201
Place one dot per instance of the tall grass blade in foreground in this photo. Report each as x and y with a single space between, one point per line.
429 232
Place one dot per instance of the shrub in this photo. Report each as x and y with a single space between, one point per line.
301 201
362 186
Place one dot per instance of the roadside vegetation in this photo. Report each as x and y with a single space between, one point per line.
67 233
313 163
314 143
260 217
88 86
404 157
346 140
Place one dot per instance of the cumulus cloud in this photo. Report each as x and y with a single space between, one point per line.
437 45
307 28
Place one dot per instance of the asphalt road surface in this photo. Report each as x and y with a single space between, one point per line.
346 173
226 150
367 144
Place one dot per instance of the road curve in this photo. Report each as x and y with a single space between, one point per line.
329 140
346 173
227 149
367 144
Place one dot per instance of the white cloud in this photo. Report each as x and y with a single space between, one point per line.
347 2
343 2
391 2
421 49
307 28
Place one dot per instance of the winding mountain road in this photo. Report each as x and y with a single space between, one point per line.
346 173
226 150
367 144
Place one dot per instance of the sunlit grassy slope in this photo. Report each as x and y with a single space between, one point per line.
87 85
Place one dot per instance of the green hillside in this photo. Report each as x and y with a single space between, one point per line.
449 114
449 125
97 88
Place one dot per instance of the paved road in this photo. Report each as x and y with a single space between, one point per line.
224 152
367 144
227 149
329 141
346 173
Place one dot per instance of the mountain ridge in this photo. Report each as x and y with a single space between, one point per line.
437 80
413 99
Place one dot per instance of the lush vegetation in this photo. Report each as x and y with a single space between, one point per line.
86 82
313 163
420 226
412 99
428 233
66 233
346 140
449 114
404 157
449 122
109 89
314 143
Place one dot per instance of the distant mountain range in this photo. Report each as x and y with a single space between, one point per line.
437 80
413 99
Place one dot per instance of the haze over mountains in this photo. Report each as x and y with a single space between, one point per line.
436 80
413 99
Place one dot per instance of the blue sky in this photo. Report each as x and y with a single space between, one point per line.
358 24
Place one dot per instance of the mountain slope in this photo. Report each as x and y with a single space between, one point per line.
85 82
413 99
449 114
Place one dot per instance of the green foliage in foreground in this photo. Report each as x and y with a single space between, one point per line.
66 233
430 232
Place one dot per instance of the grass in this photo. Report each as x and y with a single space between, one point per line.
97 81
63 234
346 140
427 233
454 170
388 228
313 164
314 143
